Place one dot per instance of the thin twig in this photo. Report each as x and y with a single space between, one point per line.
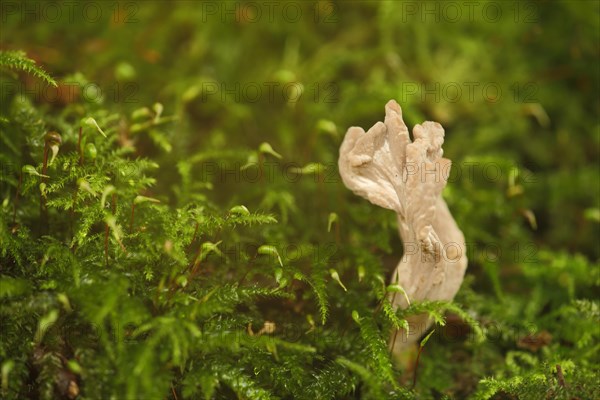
17 197
560 376
79 147
43 213
106 242
195 233
417 367
132 215
393 341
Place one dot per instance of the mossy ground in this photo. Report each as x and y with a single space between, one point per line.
194 239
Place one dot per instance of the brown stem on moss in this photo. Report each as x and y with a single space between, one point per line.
106 242
79 146
560 376
394 337
43 210
132 215
52 141
107 229
72 213
44 170
396 331
195 232
194 236
417 367
196 265
45 165
17 198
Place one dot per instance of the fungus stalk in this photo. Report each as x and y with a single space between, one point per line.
385 167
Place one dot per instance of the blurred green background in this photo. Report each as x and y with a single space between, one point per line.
511 82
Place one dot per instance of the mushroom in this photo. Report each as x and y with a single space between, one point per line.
385 167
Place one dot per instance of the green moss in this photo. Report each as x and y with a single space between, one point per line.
195 242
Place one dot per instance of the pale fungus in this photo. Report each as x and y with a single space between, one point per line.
384 166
